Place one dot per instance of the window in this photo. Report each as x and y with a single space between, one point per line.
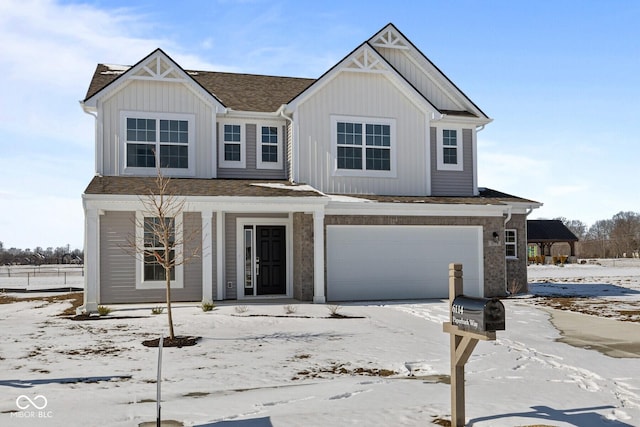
364 146
269 146
510 243
152 140
449 146
150 274
153 230
232 148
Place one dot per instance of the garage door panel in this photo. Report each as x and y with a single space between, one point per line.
400 262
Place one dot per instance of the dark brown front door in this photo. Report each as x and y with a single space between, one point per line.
271 265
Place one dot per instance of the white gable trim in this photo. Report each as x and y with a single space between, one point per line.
367 60
156 67
391 37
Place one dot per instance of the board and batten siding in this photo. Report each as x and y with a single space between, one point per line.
250 171
405 61
118 267
453 183
156 97
367 95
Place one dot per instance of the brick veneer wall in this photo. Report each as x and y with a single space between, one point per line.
494 259
517 268
303 256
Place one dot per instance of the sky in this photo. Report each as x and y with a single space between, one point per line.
561 80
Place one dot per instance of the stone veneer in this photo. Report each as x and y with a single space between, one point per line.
303 256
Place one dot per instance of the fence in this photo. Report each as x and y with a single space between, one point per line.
44 276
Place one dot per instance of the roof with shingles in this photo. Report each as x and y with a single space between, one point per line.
548 230
133 185
242 92
486 197
129 185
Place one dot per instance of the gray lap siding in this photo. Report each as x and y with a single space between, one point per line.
118 268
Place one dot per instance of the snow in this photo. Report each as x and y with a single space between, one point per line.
263 367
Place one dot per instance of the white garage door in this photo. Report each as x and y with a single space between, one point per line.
401 262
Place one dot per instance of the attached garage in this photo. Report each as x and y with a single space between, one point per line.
381 262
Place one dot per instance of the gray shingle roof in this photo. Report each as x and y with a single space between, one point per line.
243 92
130 185
548 230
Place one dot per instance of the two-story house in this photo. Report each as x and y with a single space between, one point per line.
358 185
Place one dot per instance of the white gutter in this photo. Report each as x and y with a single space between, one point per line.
94 114
284 115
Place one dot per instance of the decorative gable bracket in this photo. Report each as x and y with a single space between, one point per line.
390 39
158 68
365 60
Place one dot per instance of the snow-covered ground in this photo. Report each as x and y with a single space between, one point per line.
263 367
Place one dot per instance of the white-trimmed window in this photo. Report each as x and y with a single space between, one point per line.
363 146
232 147
158 139
449 149
511 243
150 274
269 146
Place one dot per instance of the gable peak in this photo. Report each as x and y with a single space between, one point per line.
365 59
390 38
157 66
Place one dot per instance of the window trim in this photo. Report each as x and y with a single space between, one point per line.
152 171
514 243
364 172
233 164
280 146
441 165
178 282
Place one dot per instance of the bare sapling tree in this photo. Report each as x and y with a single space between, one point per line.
161 242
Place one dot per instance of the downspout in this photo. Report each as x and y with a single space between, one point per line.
289 149
506 283
475 161
95 116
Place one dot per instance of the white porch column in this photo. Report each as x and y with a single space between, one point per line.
207 256
318 257
220 255
91 260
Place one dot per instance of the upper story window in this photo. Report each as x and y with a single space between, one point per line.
269 146
511 243
449 149
232 146
152 140
364 147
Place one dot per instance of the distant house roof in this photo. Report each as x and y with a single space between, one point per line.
548 231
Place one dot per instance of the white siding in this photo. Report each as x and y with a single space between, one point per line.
371 96
405 62
157 97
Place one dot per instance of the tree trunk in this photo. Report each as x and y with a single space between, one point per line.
169 315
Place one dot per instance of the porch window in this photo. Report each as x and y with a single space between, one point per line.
449 149
153 230
364 147
511 243
150 274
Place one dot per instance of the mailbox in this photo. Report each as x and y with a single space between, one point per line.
478 314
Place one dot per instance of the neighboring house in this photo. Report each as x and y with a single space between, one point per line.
358 185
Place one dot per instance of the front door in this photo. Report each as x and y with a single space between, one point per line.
271 276
266 266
